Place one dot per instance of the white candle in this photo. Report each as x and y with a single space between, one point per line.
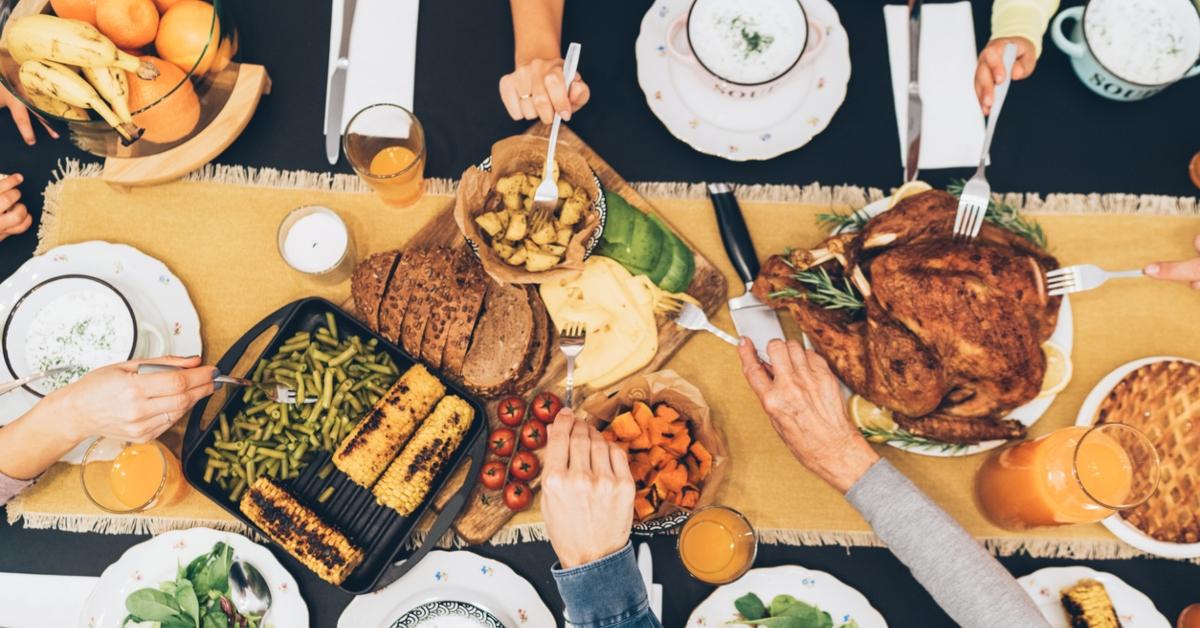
314 240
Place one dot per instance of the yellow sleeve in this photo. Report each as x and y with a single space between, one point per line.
1022 18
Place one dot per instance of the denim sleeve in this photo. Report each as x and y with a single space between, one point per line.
608 593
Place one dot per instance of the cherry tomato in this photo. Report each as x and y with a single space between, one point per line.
525 466
501 441
492 475
546 406
533 435
511 411
517 496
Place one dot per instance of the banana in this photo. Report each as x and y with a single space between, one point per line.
63 83
112 84
71 42
54 106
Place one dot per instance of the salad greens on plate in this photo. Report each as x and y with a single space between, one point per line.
784 611
198 597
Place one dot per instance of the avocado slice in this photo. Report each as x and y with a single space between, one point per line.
618 227
642 250
683 267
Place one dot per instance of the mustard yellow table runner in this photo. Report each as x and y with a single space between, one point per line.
217 229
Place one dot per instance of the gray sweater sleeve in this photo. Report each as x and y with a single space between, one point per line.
972 587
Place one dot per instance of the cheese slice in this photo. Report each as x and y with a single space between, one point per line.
622 335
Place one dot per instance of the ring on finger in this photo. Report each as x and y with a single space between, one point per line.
166 418
524 96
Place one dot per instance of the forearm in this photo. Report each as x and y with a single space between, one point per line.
968 583
1022 18
537 29
606 592
36 440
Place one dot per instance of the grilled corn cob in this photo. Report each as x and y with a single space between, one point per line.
380 435
323 549
407 481
1088 605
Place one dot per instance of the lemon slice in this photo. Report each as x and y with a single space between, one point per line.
906 190
1058 370
869 416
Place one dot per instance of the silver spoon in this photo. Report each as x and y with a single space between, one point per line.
248 590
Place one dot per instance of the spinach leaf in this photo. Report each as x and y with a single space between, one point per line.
783 621
214 618
151 604
214 575
750 606
781 603
177 621
196 565
185 596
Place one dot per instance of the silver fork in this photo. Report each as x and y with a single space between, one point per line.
277 393
1083 277
694 318
570 341
545 198
977 193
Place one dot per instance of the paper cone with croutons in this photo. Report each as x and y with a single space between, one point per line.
676 454
478 195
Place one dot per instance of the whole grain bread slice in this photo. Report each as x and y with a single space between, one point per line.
398 296
464 318
444 304
500 345
540 348
369 283
433 282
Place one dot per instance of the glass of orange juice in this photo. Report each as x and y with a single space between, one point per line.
385 144
124 477
1071 475
717 545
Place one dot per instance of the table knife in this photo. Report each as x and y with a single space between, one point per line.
336 94
913 140
752 318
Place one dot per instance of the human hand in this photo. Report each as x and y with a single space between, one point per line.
804 402
535 90
587 493
20 116
1187 270
990 71
115 401
14 217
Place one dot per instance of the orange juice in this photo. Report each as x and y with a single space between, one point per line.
385 144
132 477
717 545
1072 475
396 175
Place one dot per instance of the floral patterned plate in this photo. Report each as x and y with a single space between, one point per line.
844 604
157 560
1134 609
798 108
157 296
451 589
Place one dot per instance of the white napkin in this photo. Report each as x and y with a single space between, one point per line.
383 54
35 601
951 121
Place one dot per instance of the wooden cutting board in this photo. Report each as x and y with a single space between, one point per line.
486 513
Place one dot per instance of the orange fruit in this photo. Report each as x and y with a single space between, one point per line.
84 10
170 118
185 33
128 23
164 5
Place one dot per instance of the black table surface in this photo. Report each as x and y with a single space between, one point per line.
1055 136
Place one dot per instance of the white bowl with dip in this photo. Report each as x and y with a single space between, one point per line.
315 241
745 47
1130 50
73 320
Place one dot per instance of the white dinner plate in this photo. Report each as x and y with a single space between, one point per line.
1028 414
1133 608
817 588
449 590
1118 526
158 298
157 560
798 108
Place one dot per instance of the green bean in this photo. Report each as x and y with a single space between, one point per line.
344 356
354 403
227 445
293 345
325 470
331 322
299 451
325 494
327 389
326 340
371 386
380 368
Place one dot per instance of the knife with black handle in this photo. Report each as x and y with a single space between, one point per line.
752 318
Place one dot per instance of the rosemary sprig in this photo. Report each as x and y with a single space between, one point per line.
838 222
823 291
1006 216
905 438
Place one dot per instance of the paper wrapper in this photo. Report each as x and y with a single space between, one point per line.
666 387
527 154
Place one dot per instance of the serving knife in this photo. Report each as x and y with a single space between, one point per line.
913 155
751 318
336 93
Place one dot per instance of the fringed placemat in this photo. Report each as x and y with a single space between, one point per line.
216 231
